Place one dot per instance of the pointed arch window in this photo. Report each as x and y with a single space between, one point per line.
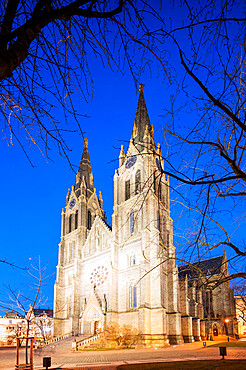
76 219
132 260
89 220
70 224
137 182
71 250
168 239
132 296
132 222
127 189
159 195
162 228
97 240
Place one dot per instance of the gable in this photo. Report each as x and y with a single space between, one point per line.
99 238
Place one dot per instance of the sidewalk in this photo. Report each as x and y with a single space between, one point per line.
63 357
168 364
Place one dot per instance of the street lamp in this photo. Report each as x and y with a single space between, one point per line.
226 326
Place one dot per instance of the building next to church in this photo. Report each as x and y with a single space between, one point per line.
12 325
125 273
241 313
206 301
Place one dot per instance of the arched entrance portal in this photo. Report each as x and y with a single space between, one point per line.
215 330
92 320
97 327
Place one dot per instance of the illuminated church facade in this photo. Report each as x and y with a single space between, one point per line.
125 273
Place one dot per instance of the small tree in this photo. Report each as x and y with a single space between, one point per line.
119 336
24 305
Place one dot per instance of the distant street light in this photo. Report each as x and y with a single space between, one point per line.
226 327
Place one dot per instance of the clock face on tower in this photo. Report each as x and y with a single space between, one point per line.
72 203
131 161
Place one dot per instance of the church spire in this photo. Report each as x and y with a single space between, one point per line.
142 124
84 172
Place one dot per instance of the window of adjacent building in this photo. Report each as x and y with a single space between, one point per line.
89 220
127 189
137 182
76 219
132 222
132 296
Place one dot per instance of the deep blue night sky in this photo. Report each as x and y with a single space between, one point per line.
32 198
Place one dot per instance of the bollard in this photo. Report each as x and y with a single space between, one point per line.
74 346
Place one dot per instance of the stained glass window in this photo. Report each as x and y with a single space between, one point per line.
130 297
134 296
132 222
127 189
89 220
137 182
70 224
132 260
76 219
71 251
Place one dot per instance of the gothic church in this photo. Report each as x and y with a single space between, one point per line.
126 273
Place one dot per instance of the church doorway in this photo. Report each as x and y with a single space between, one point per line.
97 327
215 331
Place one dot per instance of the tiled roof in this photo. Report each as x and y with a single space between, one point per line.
41 311
208 267
11 315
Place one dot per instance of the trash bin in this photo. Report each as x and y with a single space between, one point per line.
223 352
46 362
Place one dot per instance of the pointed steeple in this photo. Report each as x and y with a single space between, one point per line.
68 196
142 133
121 156
84 172
100 200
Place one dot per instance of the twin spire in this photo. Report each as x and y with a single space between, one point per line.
142 133
84 173
142 138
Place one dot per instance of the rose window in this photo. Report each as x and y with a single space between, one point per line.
99 276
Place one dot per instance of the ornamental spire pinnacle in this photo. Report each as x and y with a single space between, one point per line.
142 124
84 172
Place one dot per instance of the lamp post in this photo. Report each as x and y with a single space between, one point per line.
226 327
